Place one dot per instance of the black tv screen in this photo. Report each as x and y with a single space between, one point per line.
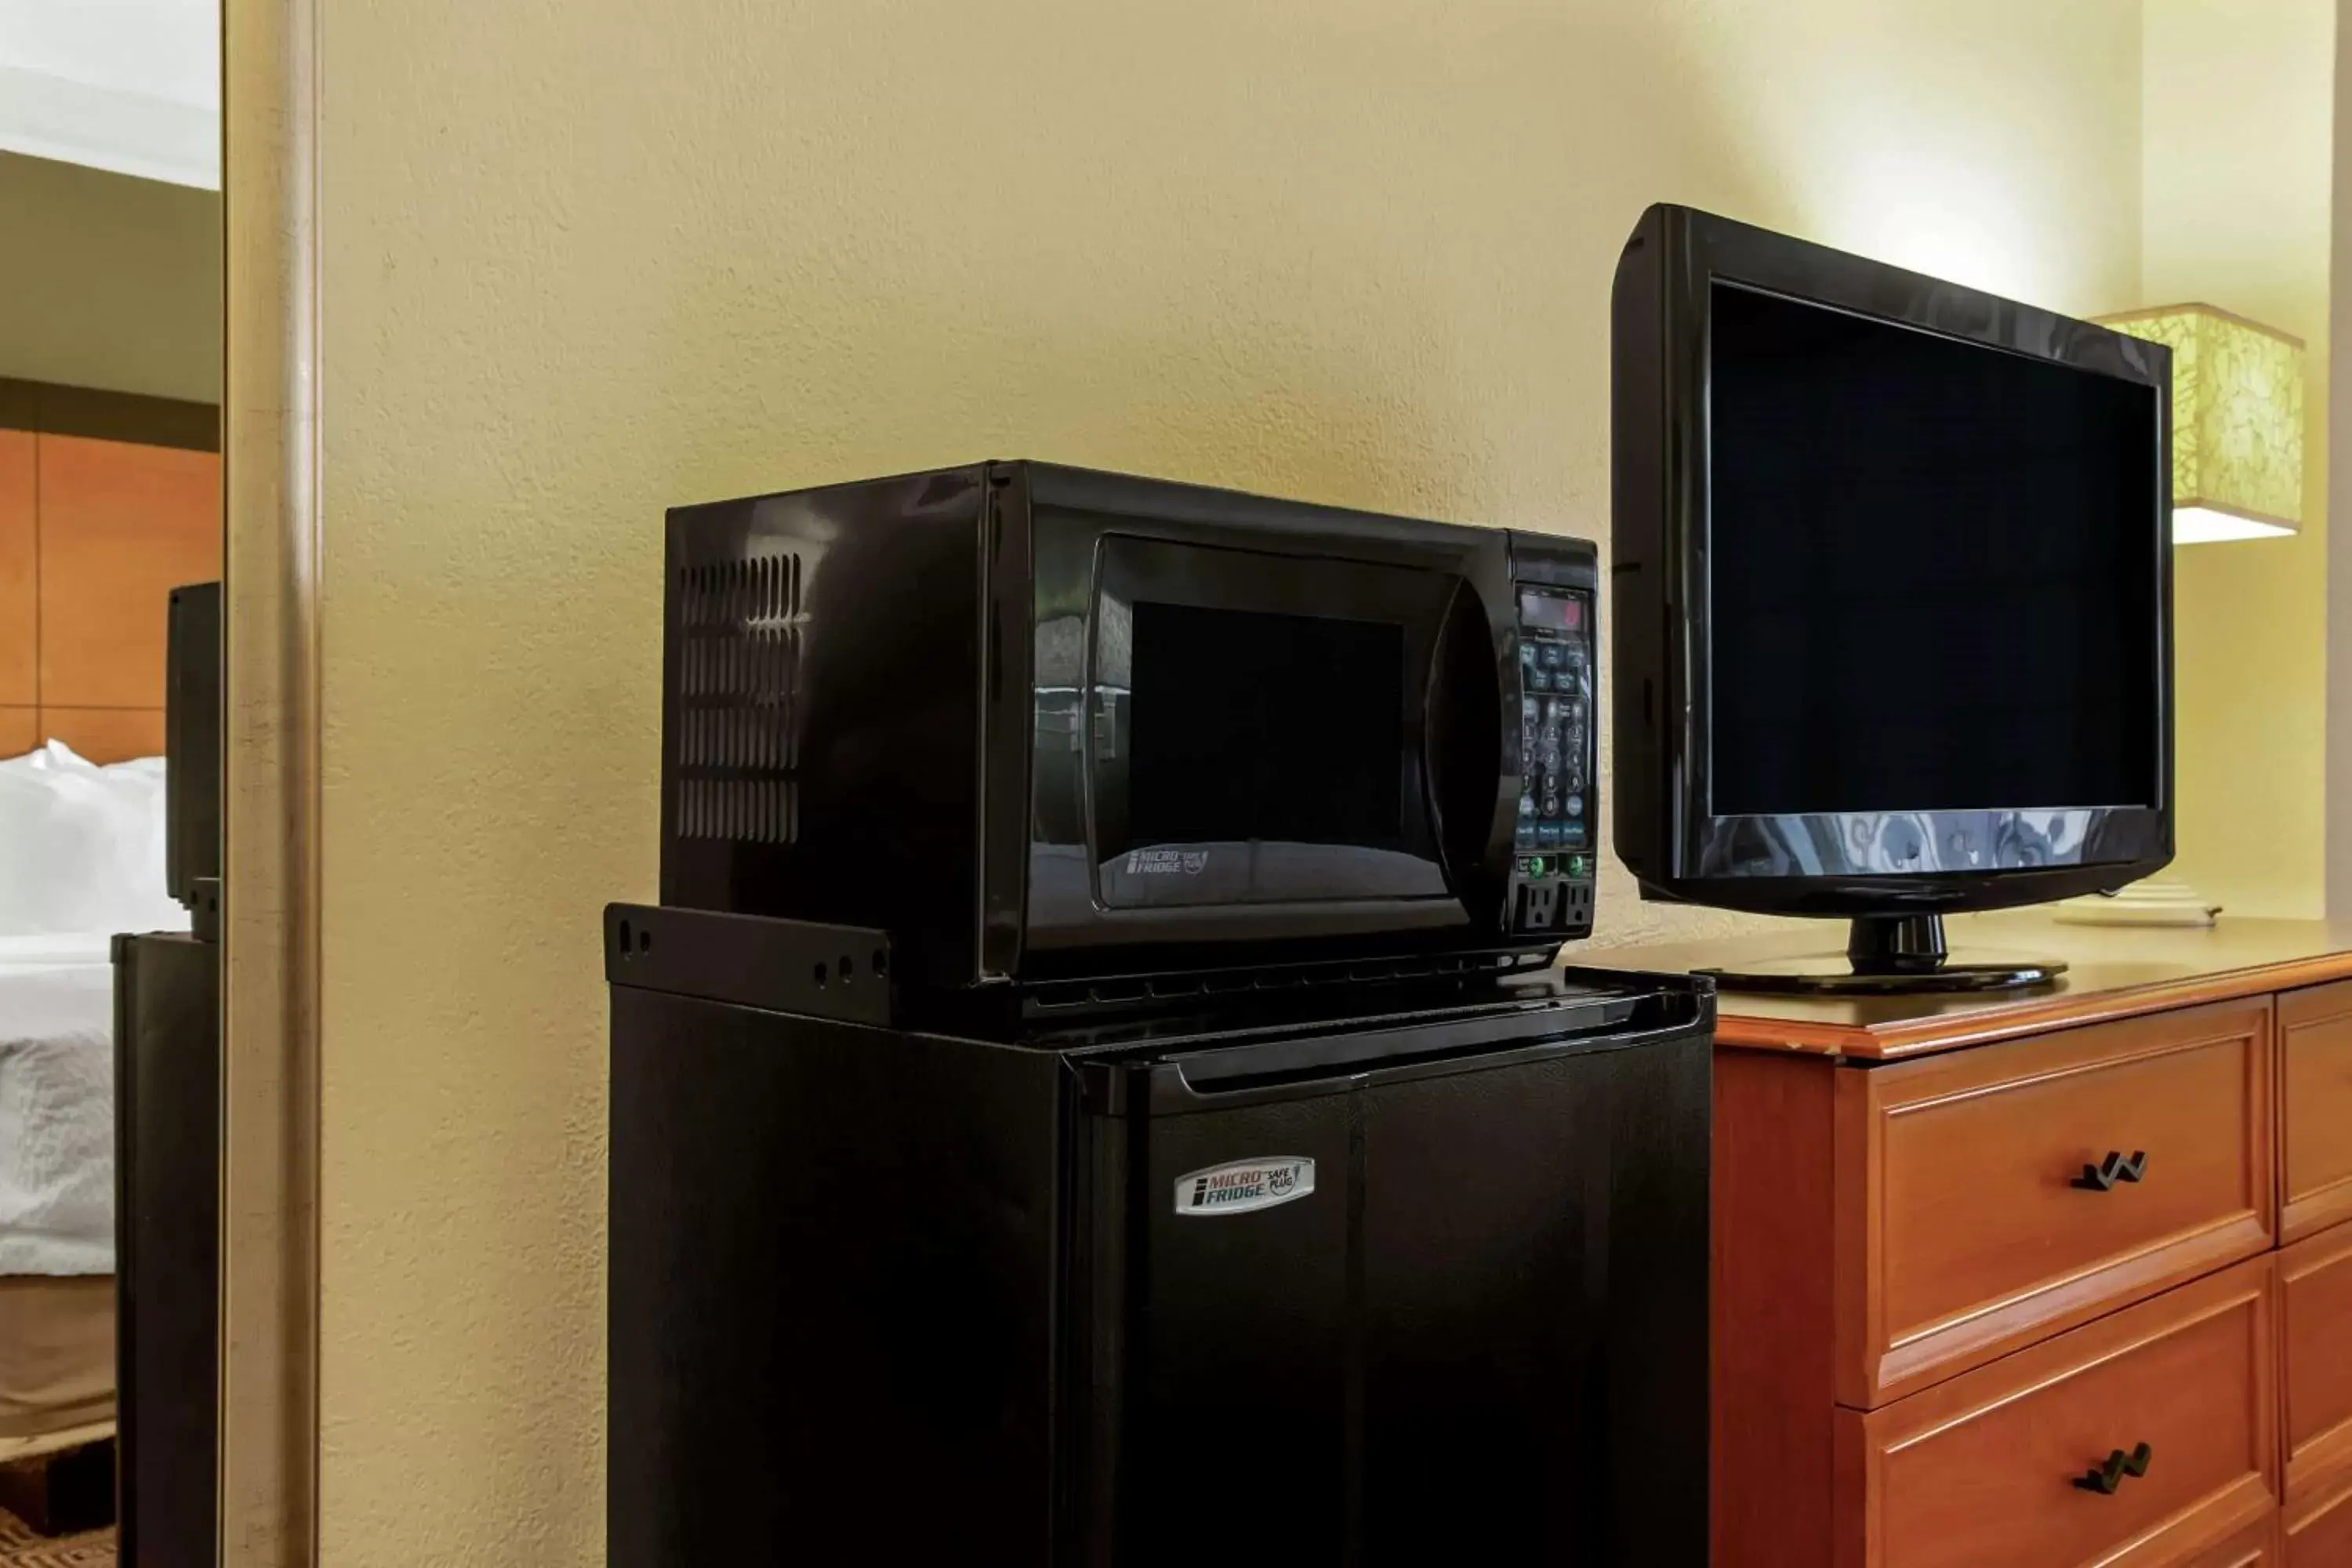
1931 571
192 739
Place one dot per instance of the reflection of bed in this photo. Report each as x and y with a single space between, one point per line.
56 1193
57 1363
106 504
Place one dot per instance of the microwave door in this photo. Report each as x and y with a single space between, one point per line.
1257 728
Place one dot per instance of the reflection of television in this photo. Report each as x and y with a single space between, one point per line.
191 740
1893 595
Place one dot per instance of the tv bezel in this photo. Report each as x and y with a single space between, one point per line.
1661 396
192 739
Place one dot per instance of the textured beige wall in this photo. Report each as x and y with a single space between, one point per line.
109 281
585 261
2238 116
2339 764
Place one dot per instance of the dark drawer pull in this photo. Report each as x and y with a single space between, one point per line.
2104 1479
2102 1176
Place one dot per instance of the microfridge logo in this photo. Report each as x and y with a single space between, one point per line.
1166 862
1244 1185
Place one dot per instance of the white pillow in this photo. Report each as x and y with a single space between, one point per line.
81 847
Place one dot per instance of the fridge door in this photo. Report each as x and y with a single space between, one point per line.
1441 1308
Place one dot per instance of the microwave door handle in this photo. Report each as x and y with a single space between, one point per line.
1467 622
1510 775
1510 767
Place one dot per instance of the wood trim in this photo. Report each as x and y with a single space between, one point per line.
1871 1436
1772 1437
2315 1211
2317 1529
1952 1031
269 1208
2322 1466
1854 1526
1874 1365
54 410
2254 1547
2315 1005
1857 1320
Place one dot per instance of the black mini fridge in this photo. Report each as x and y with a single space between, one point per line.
1407 1272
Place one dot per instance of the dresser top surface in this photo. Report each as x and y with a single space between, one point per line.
2112 972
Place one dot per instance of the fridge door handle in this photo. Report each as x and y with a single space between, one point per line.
1180 1084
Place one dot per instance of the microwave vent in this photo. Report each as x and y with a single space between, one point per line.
736 708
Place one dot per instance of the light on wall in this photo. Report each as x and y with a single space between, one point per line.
2237 473
2237 421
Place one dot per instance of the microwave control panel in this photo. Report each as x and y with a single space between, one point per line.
1552 857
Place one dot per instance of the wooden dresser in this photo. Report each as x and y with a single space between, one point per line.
2040 1280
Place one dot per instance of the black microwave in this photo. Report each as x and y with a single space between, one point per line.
1090 735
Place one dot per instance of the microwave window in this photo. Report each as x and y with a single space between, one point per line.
1251 725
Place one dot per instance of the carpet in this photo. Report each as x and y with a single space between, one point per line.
20 1547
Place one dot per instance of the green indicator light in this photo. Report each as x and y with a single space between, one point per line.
1535 866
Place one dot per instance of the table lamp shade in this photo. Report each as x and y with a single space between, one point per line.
2237 421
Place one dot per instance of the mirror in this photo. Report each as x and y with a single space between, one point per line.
112 361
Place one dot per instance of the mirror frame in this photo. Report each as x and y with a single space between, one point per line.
269 1404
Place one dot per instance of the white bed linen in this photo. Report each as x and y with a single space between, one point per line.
56 1105
81 847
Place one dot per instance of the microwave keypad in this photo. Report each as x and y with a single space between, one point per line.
1555 723
1552 863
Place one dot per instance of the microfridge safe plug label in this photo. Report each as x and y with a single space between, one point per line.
1244 1186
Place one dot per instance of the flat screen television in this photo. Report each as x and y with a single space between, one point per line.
191 743
1892 595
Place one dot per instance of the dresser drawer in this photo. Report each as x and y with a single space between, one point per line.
2319 1532
2256 1546
2315 1337
1982 1469
2315 1091
1964 1226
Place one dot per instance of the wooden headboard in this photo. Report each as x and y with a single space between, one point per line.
108 502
